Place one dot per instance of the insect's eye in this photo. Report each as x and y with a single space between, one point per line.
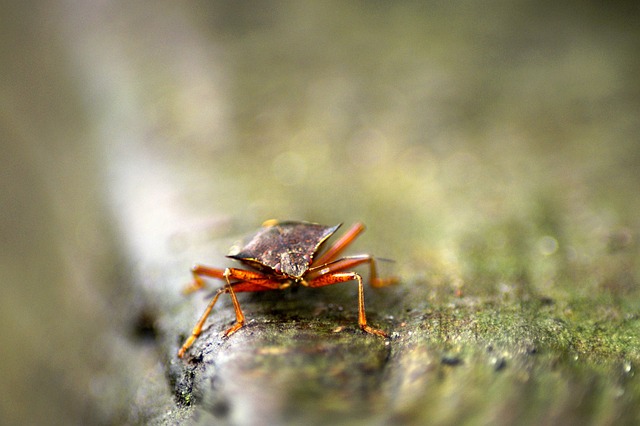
278 268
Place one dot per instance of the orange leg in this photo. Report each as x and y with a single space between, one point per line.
249 281
351 262
339 246
197 329
341 277
236 306
198 271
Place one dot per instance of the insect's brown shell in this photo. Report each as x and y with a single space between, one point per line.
284 247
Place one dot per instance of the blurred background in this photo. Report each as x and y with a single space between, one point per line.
481 143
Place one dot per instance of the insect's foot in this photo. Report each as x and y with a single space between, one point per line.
374 331
237 326
187 345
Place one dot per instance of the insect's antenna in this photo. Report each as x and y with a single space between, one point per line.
324 265
361 256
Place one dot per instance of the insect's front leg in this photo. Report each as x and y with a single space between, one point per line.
237 280
351 262
236 306
197 329
341 277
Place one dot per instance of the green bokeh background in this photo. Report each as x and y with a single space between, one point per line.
491 148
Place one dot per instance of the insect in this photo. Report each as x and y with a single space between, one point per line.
281 255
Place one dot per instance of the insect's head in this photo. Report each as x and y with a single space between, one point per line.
293 264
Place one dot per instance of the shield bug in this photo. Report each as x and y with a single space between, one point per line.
285 254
